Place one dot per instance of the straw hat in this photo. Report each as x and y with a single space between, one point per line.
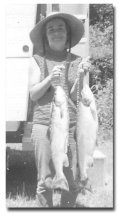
76 26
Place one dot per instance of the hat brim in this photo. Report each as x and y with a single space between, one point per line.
77 29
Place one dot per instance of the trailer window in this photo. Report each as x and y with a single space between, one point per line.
55 7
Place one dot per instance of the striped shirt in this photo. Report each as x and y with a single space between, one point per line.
42 108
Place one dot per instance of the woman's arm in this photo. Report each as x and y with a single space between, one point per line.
37 89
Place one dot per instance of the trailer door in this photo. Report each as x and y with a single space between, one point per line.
20 19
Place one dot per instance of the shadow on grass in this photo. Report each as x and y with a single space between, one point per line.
21 179
21 175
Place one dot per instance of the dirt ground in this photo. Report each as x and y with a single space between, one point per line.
21 185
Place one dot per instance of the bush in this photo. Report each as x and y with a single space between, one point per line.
101 52
101 72
101 14
105 105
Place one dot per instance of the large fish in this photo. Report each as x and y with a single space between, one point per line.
59 137
86 130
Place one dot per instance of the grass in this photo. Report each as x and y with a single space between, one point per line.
21 179
21 201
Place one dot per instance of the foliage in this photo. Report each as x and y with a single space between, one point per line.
102 15
101 52
99 38
105 105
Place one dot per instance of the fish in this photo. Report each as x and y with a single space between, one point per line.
86 130
59 137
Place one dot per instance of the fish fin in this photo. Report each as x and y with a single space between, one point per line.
66 144
66 161
93 110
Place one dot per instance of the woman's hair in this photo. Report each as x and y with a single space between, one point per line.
45 41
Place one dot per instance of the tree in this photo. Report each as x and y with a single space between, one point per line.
102 15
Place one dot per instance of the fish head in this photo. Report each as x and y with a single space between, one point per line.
59 96
87 95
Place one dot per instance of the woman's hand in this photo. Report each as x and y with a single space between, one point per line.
56 74
83 68
85 65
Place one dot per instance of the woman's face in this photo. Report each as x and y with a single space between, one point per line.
56 34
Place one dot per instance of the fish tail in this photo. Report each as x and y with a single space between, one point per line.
60 183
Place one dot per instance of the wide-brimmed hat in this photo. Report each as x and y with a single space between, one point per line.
76 26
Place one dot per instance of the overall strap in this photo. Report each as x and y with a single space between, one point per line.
40 61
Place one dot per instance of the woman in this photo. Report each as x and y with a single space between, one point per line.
53 37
